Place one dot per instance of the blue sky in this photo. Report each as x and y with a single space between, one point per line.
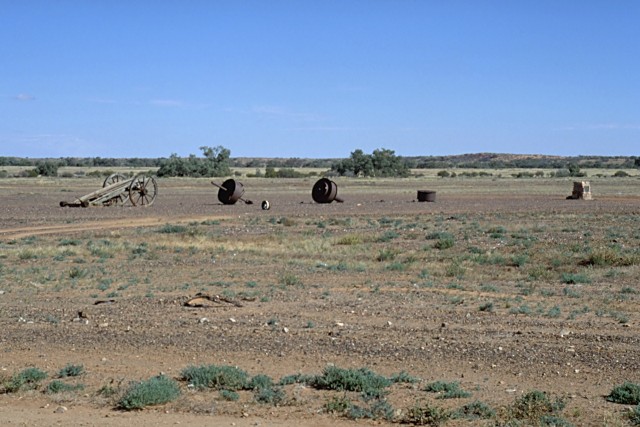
296 78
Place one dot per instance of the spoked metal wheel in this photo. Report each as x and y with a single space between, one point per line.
121 199
113 178
143 190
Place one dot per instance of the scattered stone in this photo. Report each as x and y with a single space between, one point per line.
61 410
203 320
232 320
285 330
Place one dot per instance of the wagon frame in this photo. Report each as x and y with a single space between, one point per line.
117 190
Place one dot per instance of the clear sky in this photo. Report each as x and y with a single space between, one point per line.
317 79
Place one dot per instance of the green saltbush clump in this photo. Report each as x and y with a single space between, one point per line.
448 390
29 378
425 414
360 380
265 391
628 394
57 386
71 371
216 377
154 391
536 406
475 410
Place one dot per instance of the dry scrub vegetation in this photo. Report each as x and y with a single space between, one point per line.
488 307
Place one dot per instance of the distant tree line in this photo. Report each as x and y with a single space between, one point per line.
214 163
381 163
293 162
217 161
83 162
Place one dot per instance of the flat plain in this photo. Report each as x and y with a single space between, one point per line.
501 287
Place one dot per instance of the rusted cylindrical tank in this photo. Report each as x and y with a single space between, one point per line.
230 192
325 191
426 196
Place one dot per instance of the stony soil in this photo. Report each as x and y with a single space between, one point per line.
376 319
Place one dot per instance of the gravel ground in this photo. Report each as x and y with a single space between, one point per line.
434 333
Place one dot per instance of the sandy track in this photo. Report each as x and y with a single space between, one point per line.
22 232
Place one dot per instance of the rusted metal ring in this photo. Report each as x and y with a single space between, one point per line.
324 191
230 192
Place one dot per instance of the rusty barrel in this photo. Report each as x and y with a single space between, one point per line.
324 191
230 192
426 196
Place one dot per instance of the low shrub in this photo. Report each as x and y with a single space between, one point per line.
229 395
444 243
448 390
28 379
172 228
350 239
71 371
378 409
338 404
426 414
634 416
361 380
575 278
611 257
269 395
57 386
154 391
474 411
404 377
216 377
628 394
535 405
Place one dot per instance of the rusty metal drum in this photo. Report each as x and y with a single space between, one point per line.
324 191
426 196
230 192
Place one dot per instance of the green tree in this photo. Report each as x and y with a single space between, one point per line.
47 168
382 162
361 163
215 163
574 170
386 163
